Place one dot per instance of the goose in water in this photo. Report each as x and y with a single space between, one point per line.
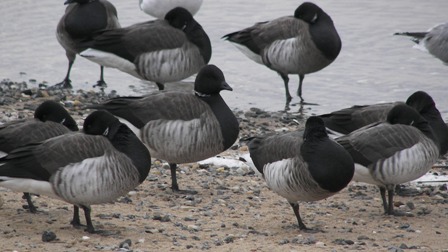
81 20
434 41
301 44
161 51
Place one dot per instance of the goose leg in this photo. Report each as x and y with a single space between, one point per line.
67 83
390 195
295 208
174 185
90 227
299 90
101 82
76 222
383 198
31 206
288 95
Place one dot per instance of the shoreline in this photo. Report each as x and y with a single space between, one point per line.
233 210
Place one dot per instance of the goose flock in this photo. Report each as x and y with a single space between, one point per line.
383 144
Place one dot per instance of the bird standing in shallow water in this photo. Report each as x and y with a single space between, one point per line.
389 153
82 19
301 44
303 165
161 51
94 167
181 127
434 41
50 120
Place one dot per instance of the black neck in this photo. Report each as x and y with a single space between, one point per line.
227 120
125 141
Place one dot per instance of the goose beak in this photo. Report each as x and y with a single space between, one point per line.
225 86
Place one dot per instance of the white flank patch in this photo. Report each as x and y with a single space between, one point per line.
3 154
421 46
362 174
110 60
28 185
251 55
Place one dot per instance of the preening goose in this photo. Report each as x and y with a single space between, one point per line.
161 51
81 20
181 127
302 166
94 167
399 150
301 44
50 120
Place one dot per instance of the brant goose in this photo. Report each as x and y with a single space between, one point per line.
94 167
50 120
301 44
303 165
399 150
159 8
161 51
349 119
181 127
434 41
82 19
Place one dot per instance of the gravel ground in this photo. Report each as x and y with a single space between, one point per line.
233 210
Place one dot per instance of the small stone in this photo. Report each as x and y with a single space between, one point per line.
126 244
48 236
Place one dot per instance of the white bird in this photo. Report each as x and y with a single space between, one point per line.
159 8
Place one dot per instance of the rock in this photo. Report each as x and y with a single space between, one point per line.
126 244
48 236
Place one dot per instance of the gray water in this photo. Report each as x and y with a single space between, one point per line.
373 66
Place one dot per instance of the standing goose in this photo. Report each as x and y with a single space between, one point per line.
50 120
82 169
159 8
344 121
181 127
302 166
161 51
301 44
82 19
434 41
389 153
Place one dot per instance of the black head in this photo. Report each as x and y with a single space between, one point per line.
314 128
404 114
421 101
53 111
77 1
179 18
308 12
100 122
210 80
